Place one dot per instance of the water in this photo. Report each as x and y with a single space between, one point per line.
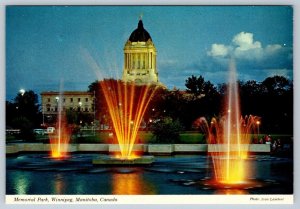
60 141
232 134
39 174
127 104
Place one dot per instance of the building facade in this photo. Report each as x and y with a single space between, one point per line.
79 101
140 58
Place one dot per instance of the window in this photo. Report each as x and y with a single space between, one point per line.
49 99
86 99
139 61
86 109
78 99
151 60
64 100
71 99
48 109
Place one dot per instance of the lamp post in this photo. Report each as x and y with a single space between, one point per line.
57 103
79 113
22 91
257 123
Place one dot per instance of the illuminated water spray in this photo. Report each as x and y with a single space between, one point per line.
230 137
127 104
60 140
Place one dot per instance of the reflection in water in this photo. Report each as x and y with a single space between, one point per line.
231 191
22 183
79 187
131 183
169 175
59 185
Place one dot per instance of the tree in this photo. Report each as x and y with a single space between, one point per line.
100 106
276 85
24 105
205 100
27 106
277 104
25 126
166 130
195 85
24 113
11 113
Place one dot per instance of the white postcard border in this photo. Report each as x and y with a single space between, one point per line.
149 199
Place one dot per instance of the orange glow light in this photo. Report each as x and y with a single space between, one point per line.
230 137
60 140
127 104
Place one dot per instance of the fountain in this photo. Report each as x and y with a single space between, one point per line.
127 104
59 142
229 139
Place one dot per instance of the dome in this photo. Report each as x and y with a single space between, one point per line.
139 34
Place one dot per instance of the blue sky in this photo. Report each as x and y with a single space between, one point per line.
47 44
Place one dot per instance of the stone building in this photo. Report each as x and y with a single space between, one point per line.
140 58
79 101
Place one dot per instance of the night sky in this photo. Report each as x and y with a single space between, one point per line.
47 44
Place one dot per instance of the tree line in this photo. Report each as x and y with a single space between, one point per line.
271 100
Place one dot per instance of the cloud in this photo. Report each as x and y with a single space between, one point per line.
244 47
254 61
271 49
280 72
218 50
251 56
245 42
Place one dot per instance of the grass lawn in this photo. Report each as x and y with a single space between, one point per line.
144 137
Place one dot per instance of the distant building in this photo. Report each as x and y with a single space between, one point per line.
80 101
140 58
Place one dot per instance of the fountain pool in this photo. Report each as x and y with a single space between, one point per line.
178 174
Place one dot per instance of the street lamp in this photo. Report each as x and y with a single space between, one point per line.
80 104
22 91
258 123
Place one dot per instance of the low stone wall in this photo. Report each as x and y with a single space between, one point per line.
92 147
254 148
259 148
153 149
160 149
224 147
116 148
190 148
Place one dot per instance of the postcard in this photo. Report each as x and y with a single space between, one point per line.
127 104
